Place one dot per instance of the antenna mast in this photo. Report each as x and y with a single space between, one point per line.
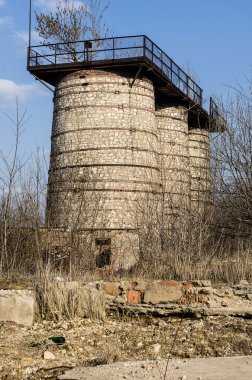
30 6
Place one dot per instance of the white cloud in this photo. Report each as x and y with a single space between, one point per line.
50 5
46 4
10 90
5 21
23 36
2 2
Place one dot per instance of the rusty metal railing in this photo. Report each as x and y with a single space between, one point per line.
115 49
217 116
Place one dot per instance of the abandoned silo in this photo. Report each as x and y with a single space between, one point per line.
124 142
104 154
199 152
172 126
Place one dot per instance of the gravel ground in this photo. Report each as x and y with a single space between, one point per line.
27 353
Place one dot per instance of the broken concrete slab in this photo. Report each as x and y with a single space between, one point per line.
17 306
111 288
162 293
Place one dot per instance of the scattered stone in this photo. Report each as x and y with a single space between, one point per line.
156 348
224 304
206 290
64 325
48 355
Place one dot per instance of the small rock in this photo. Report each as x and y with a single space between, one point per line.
28 371
64 325
48 355
140 344
206 290
156 348
224 304
184 377
143 365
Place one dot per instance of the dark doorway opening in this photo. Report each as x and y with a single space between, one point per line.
103 257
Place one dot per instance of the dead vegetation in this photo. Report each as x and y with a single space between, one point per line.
60 300
215 245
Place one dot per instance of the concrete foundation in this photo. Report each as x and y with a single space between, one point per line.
17 306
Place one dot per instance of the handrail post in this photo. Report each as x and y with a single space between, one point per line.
55 56
211 107
144 46
28 56
36 59
113 48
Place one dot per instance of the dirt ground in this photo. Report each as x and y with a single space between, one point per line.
23 350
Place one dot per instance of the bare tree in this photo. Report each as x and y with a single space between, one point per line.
71 23
232 163
11 166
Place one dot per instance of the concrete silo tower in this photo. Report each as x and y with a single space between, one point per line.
128 130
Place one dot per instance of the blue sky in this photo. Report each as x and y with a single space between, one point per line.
213 37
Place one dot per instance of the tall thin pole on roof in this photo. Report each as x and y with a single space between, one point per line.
30 13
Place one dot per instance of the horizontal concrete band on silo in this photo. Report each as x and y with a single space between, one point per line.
199 151
104 156
172 124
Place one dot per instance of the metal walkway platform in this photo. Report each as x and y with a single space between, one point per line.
137 55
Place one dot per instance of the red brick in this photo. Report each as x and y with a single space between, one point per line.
134 296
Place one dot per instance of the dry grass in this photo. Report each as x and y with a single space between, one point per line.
68 300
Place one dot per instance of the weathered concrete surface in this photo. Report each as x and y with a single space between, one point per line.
17 306
227 368
156 293
166 310
111 288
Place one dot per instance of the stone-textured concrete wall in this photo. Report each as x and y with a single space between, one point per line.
199 151
172 125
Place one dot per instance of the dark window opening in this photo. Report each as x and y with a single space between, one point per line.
103 256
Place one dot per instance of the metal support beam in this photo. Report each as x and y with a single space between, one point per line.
136 76
46 85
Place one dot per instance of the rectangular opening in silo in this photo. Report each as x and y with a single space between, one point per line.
103 257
